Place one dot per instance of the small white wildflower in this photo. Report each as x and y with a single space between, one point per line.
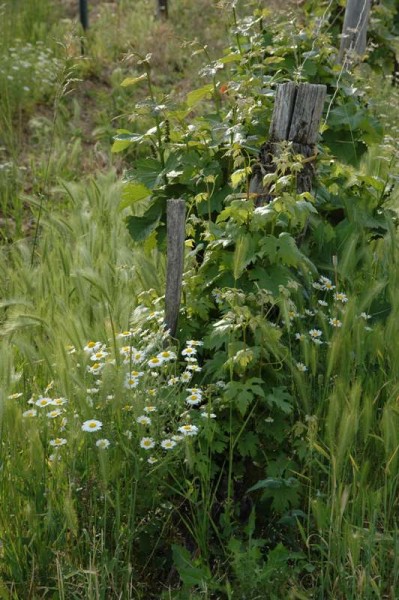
335 322
322 303
301 367
59 401
93 347
194 399
30 413
147 443
168 444
54 413
194 343
149 409
58 442
43 402
177 438
269 420
166 355
155 361
341 297
207 415
103 444
365 316
95 368
188 430
194 367
124 335
92 391
15 396
128 434
100 355
152 460
315 333
309 313
92 425
189 351
173 381
300 337
317 286
186 376
131 383
143 420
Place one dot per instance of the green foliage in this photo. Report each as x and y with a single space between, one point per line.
259 458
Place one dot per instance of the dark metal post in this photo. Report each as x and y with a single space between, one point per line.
83 14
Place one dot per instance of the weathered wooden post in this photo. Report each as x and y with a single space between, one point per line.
175 225
354 32
162 9
296 118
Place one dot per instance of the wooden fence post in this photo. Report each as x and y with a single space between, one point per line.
296 118
83 14
175 225
354 32
162 9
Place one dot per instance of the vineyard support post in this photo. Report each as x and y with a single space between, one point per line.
296 118
175 226
354 31
83 14
162 9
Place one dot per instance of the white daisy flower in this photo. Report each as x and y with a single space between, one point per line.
152 460
335 322
93 347
301 367
322 303
100 355
166 355
194 399
30 413
188 430
131 383
54 413
147 443
143 420
123 335
103 444
92 391
365 316
155 361
341 297
194 367
194 343
300 337
58 442
92 425
96 368
15 396
206 415
315 333
189 351
177 438
43 402
59 401
168 444
173 381
149 409
186 376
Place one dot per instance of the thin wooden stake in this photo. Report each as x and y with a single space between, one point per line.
354 32
175 224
